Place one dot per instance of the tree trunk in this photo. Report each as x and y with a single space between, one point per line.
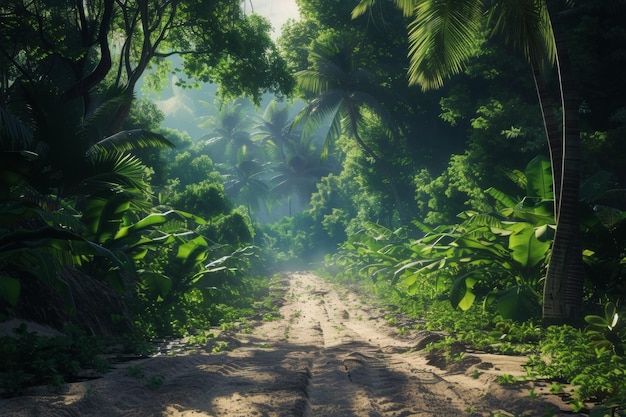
562 296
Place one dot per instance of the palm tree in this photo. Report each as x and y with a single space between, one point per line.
442 37
294 160
229 137
76 157
298 174
274 132
342 91
246 184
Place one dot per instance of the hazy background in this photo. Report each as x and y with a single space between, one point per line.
183 108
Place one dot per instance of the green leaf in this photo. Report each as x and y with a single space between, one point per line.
103 216
539 176
156 282
610 310
129 140
461 294
153 219
502 198
442 38
10 289
597 320
525 248
188 248
517 303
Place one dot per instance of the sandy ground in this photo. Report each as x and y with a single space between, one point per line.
332 354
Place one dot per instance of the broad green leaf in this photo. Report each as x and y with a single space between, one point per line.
103 216
502 198
461 294
10 289
517 303
413 288
156 282
610 310
539 176
525 248
597 320
409 280
188 248
186 215
153 219
138 253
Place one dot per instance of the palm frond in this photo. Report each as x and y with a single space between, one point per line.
517 176
362 7
407 7
442 38
310 81
15 135
128 140
319 110
114 171
525 24
103 108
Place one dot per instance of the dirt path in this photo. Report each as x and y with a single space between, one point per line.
332 354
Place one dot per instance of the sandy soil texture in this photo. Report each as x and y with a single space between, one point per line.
332 354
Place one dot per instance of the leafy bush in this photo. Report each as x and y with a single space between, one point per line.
29 359
568 356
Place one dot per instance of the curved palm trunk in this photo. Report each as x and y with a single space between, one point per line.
562 296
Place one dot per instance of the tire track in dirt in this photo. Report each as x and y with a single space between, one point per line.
353 376
332 354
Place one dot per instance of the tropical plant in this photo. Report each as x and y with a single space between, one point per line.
34 244
596 372
442 37
374 252
606 331
48 196
183 283
298 174
273 131
499 258
31 359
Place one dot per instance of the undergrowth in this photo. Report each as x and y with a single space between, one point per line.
29 359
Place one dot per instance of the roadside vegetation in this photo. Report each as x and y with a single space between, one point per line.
481 193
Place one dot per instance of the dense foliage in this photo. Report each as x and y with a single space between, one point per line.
99 224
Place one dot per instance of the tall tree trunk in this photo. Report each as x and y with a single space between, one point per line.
562 296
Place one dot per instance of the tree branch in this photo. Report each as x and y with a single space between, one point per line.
104 65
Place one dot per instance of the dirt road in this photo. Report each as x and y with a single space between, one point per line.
332 354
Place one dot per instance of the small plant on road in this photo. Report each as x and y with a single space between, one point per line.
135 371
273 316
506 379
221 346
155 382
